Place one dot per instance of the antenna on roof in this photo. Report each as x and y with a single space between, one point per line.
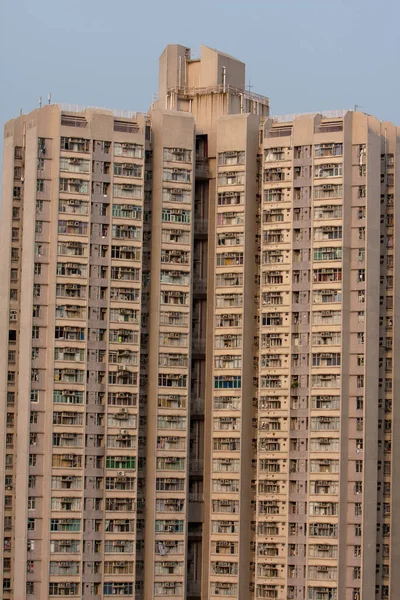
357 106
49 98
249 85
40 101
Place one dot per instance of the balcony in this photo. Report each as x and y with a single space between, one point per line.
201 227
196 466
197 406
202 168
198 347
193 588
200 288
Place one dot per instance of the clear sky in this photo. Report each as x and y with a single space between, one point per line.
306 55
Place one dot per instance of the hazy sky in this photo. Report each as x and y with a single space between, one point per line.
306 55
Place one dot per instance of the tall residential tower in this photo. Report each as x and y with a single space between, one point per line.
199 316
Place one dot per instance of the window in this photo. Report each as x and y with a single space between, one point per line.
325 254
14 254
74 186
362 193
328 170
74 165
177 155
236 157
358 485
328 149
127 190
30 587
236 177
227 382
128 150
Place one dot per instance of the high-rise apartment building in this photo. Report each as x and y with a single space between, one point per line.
199 317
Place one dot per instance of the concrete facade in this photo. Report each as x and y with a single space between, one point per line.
198 327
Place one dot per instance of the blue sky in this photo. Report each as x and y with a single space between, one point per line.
305 55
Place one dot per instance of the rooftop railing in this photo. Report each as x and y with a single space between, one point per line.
218 89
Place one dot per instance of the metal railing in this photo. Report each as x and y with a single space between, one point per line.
78 108
193 588
201 225
200 286
197 406
196 497
219 89
328 114
199 346
196 465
